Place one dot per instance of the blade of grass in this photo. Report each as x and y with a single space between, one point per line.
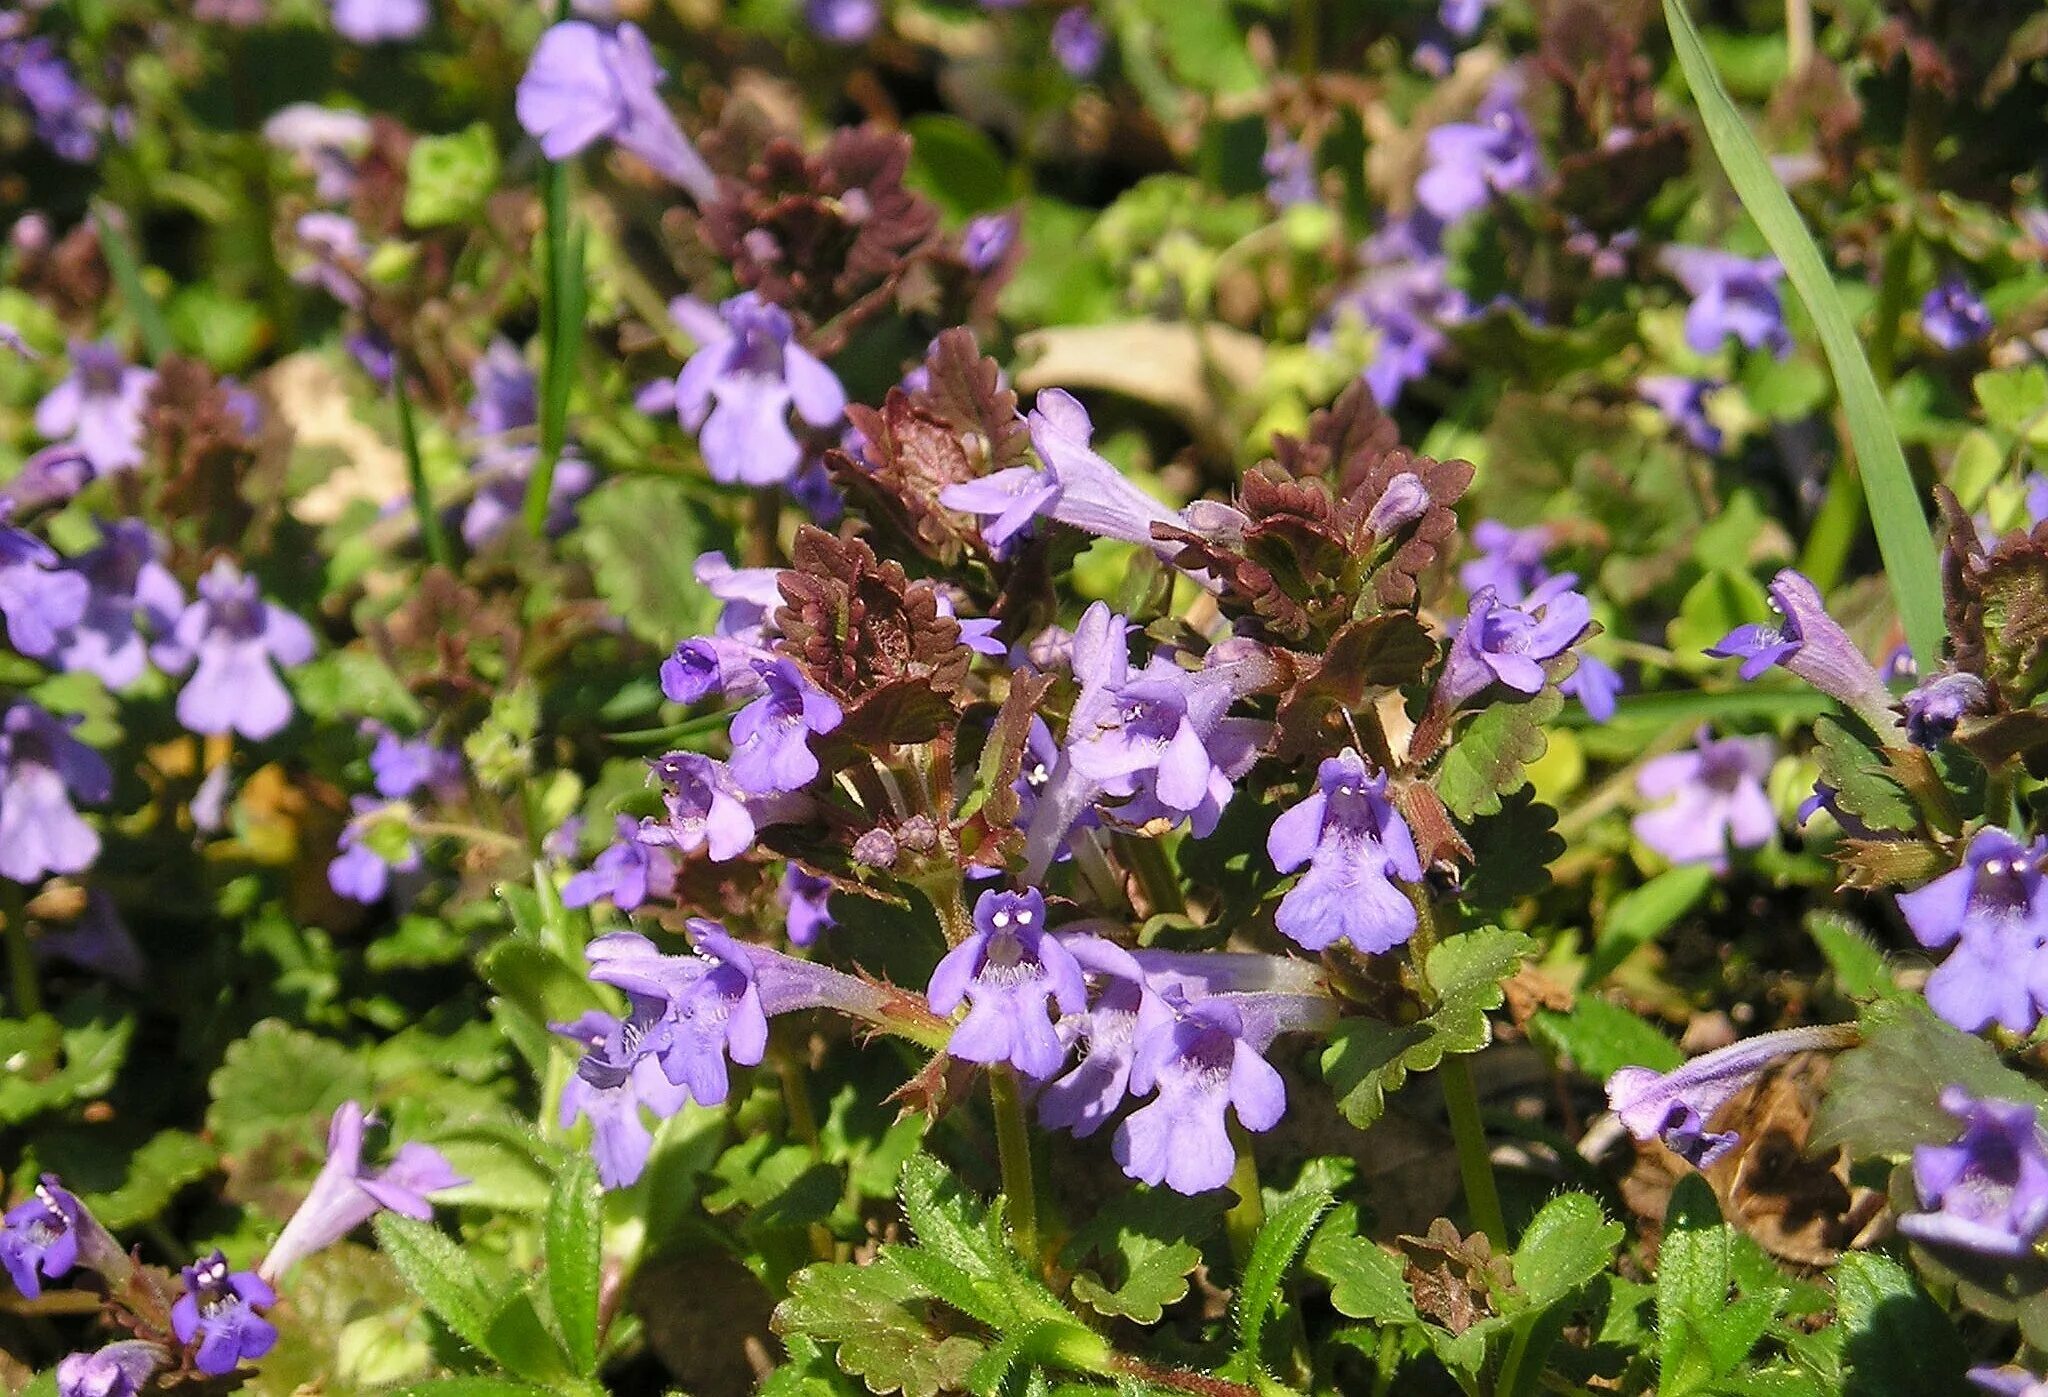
127 270
1903 538
431 533
561 336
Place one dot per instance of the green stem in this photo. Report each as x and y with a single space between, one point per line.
561 319
1241 1225
1013 1148
21 958
1475 1165
431 533
1147 859
126 266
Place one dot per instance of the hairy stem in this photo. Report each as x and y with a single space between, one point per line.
1013 1147
26 988
1475 1164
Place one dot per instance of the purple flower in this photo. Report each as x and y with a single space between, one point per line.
50 476
327 139
1077 486
68 118
1201 1065
1467 163
1290 169
771 736
1714 798
1125 1007
380 21
713 1003
345 1195
98 408
583 84
334 262
1988 1191
1731 295
126 582
1596 685
1510 560
1506 643
401 766
706 808
1462 18
1995 909
236 636
501 479
118 1370
1355 844
751 596
628 872
1809 643
1683 402
846 22
738 388
1952 317
1677 1106
507 395
2008 1382
714 666
39 601
1934 706
1007 971
1079 44
48 1233
808 901
987 240
43 768
1404 298
616 1078
220 1311
361 869
1159 742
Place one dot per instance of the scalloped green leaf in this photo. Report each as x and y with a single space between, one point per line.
1367 1058
874 1317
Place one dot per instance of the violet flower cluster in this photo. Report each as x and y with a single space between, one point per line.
219 1321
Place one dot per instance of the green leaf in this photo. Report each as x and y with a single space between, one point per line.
956 165
959 1254
1641 914
874 1316
472 1387
278 1080
1903 537
1898 1341
1862 971
445 1277
1152 1238
1512 852
574 1243
1366 1280
1273 1251
154 1175
1367 1058
641 536
1857 774
448 178
1693 1277
1885 1096
52 1062
1601 1037
119 250
1490 755
1567 1244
